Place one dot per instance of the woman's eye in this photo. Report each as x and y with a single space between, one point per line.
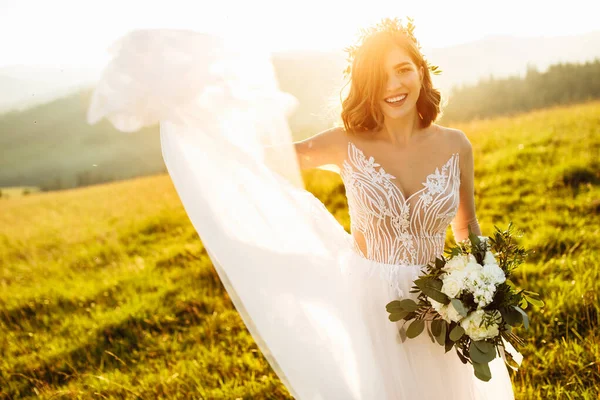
402 70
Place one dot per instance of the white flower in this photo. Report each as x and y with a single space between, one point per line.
440 308
492 273
435 304
447 312
474 327
453 283
484 239
489 258
452 314
456 263
472 272
484 295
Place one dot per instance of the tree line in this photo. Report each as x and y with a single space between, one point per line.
560 84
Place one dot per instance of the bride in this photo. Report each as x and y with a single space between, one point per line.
312 295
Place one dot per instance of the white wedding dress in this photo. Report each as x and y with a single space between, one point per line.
314 303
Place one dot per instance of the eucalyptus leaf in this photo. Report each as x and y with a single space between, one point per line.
428 282
524 316
397 316
394 306
436 327
484 346
511 316
441 338
459 306
436 284
478 356
482 371
430 335
436 295
415 328
448 345
409 305
432 288
456 333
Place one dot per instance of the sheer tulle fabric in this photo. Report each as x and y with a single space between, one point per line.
315 307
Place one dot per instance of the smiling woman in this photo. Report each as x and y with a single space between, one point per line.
379 89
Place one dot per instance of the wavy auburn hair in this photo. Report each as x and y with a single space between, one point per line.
361 111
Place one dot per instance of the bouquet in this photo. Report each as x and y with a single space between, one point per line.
469 301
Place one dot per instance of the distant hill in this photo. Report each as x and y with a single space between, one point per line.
51 145
23 86
502 56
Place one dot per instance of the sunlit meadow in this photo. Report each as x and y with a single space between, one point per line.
107 292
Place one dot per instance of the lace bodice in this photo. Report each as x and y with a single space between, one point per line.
396 230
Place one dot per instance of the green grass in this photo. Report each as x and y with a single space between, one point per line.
107 292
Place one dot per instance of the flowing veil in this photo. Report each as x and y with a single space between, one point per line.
228 149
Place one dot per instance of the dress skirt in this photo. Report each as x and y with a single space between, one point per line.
416 368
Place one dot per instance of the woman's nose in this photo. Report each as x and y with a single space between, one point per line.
394 84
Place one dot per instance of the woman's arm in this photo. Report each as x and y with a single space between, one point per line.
321 149
466 215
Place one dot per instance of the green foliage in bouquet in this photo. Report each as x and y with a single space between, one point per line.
467 301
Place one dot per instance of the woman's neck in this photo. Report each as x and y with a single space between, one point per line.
401 132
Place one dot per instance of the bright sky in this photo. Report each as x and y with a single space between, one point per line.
76 33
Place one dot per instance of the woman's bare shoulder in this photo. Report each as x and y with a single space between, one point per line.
455 139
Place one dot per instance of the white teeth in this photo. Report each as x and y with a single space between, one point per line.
396 99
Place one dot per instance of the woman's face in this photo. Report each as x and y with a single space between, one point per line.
403 84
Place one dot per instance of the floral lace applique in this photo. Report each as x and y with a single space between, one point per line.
398 230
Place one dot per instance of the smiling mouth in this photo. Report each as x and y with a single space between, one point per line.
396 99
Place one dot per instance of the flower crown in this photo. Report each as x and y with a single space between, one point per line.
386 25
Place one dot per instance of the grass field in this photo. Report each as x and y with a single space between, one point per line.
106 292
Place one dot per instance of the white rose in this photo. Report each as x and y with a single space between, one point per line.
456 263
452 314
474 328
446 311
440 308
489 258
435 304
453 283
